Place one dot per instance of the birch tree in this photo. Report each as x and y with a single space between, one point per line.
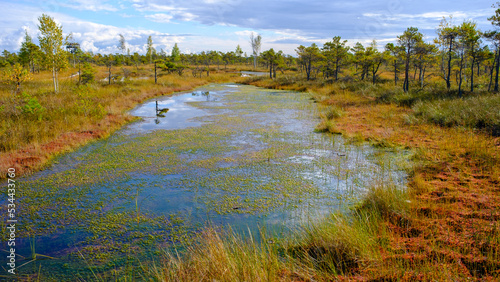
51 42
150 49
255 41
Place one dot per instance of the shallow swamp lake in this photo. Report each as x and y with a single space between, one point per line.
225 155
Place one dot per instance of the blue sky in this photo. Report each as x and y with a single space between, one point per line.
199 25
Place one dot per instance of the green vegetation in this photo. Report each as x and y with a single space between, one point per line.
472 112
245 161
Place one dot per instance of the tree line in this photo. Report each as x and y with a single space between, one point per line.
458 52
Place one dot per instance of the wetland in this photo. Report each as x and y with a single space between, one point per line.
224 155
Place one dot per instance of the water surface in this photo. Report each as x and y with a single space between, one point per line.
223 155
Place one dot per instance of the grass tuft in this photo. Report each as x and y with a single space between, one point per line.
481 112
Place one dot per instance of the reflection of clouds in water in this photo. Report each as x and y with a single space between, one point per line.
166 102
180 114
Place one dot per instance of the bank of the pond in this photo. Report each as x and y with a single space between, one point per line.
34 155
450 230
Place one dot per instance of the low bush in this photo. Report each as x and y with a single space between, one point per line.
481 112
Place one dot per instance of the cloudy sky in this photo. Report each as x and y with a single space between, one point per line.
198 25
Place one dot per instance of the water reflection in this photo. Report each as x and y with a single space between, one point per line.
172 112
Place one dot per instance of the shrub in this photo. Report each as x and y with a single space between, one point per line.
88 74
31 107
474 112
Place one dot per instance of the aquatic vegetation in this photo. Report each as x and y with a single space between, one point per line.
253 160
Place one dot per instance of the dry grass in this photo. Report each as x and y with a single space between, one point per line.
224 256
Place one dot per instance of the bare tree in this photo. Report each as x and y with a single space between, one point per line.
255 41
121 44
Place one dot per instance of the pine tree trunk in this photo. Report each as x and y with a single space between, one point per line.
407 70
421 76
395 73
448 84
460 76
472 75
496 71
337 70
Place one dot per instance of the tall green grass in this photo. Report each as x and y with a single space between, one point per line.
481 112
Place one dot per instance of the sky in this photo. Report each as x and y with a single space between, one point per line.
202 25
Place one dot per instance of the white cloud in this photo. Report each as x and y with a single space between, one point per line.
317 19
89 46
91 36
151 7
88 5
245 33
160 18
